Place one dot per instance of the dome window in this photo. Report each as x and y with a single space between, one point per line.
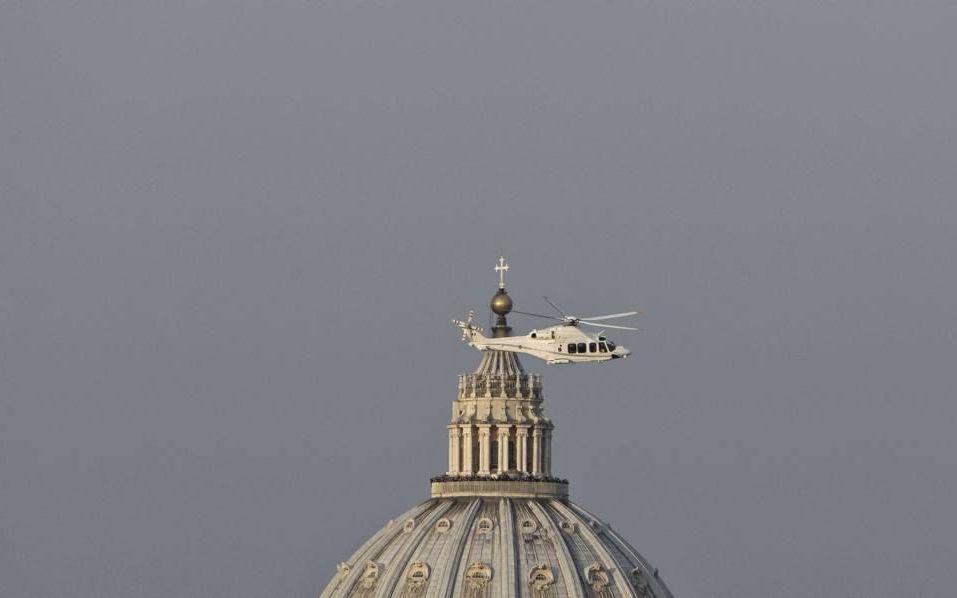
370 576
418 574
485 525
541 578
597 577
478 575
443 525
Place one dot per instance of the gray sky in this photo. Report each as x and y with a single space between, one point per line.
232 236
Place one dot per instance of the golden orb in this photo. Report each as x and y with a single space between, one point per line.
501 303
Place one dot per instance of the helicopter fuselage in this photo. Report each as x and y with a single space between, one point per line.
564 343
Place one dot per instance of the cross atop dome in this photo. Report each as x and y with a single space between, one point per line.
501 303
501 268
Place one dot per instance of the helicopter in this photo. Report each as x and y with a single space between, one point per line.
561 343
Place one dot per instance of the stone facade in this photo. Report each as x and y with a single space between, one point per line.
497 422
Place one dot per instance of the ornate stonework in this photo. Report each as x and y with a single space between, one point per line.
485 525
528 526
443 525
597 578
418 575
541 578
478 576
370 576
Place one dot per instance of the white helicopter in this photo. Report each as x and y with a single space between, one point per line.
563 343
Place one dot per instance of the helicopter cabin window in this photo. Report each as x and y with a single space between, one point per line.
572 348
581 347
592 347
602 348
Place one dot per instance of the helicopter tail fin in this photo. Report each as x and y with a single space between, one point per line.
471 333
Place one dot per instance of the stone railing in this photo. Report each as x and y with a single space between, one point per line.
526 386
498 477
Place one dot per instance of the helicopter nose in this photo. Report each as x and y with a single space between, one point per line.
620 353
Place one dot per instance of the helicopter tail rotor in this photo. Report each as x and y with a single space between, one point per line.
469 330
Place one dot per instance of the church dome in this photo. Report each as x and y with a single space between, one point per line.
499 522
490 546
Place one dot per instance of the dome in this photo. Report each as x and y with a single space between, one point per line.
491 546
499 522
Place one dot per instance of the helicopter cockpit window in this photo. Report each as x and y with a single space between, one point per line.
581 347
592 347
534 335
572 348
602 348
611 346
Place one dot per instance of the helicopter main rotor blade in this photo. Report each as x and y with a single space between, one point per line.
606 325
558 309
525 313
612 316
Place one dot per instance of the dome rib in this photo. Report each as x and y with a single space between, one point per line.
506 557
348 573
394 574
500 363
595 544
448 567
565 562
620 543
